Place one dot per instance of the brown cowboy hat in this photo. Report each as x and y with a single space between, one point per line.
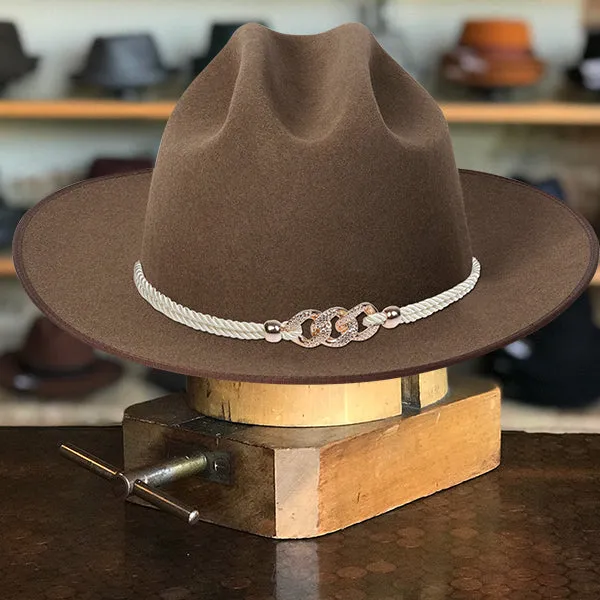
296 176
52 363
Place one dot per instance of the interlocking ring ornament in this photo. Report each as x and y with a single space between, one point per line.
322 326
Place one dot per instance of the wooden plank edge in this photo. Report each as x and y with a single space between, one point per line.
533 113
7 267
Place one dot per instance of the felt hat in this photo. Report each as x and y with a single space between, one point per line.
52 363
493 54
587 73
123 63
303 181
14 63
220 34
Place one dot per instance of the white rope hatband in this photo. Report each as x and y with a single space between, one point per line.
321 327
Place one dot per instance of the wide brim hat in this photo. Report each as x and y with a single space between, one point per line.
322 179
17 377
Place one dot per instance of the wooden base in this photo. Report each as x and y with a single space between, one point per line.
315 405
305 482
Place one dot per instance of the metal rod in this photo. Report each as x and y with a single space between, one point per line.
89 462
131 483
163 472
165 502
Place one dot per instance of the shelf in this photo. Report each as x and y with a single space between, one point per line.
534 113
7 268
85 109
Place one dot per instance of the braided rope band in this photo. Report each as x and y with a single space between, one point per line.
321 326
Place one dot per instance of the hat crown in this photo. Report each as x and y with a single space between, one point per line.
592 45
304 172
10 42
9 34
497 34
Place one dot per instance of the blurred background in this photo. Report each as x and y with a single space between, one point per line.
86 88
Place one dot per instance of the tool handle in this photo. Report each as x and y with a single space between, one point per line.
89 461
150 494
165 502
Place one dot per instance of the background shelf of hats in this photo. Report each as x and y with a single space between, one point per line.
88 93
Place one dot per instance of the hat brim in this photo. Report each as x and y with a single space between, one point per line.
19 68
152 77
575 76
500 73
101 374
74 253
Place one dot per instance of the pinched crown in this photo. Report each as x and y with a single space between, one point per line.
304 171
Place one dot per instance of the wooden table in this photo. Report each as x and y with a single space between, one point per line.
529 530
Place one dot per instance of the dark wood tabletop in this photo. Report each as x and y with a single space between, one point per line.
529 530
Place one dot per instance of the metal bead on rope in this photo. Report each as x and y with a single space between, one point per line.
344 321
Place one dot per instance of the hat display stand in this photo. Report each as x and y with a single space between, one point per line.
300 461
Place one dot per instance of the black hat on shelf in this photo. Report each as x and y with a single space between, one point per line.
587 73
220 35
123 64
14 63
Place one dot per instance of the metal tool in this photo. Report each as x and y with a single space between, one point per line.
143 482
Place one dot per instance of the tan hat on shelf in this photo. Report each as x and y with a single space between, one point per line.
305 223
493 53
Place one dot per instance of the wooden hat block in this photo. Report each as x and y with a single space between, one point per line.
305 460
